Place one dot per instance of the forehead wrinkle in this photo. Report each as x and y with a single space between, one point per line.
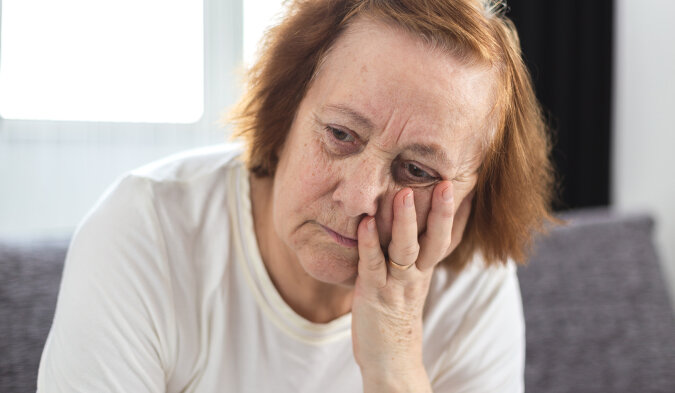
386 141
402 128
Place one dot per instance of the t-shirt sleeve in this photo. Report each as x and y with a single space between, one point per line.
113 323
489 356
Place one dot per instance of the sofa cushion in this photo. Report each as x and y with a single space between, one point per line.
597 310
30 273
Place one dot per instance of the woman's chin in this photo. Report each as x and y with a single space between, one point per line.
330 268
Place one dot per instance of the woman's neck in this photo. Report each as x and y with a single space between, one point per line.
314 300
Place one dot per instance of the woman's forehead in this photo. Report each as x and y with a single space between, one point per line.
383 79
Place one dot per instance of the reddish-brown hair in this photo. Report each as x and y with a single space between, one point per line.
516 178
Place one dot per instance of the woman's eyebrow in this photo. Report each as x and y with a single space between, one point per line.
433 152
354 115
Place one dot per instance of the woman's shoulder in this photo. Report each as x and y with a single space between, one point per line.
474 324
192 164
137 266
170 208
170 192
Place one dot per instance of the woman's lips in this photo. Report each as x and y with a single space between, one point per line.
342 240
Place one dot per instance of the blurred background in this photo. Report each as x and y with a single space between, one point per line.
91 89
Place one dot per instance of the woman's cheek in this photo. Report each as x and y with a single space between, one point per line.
319 167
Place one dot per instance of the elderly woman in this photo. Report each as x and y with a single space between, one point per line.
363 238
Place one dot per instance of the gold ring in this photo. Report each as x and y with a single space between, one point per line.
398 266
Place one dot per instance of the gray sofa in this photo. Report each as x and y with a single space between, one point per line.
597 311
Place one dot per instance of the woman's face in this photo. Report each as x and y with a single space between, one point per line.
386 111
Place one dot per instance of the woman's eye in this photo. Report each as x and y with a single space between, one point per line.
417 171
410 172
340 135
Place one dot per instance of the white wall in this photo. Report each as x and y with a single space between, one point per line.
644 118
47 187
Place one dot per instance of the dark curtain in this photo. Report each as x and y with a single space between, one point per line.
567 45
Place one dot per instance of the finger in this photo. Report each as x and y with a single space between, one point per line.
372 269
438 236
461 218
403 248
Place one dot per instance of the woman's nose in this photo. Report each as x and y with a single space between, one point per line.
360 189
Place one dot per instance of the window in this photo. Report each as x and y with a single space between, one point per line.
90 89
259 15
101 60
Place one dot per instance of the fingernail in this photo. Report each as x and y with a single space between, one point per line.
408 200
371 225
447 194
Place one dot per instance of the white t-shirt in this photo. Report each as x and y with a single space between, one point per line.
164 290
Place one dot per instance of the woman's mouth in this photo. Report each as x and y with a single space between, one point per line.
340 239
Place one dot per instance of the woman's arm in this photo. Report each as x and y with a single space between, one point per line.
113 321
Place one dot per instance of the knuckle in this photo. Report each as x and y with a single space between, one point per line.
374 255
374 265
374 261
410 250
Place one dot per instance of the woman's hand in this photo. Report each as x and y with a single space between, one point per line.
389 300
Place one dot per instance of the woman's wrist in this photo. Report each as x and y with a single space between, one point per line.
413 379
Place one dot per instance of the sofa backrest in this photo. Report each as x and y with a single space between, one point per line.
30 274
597 311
